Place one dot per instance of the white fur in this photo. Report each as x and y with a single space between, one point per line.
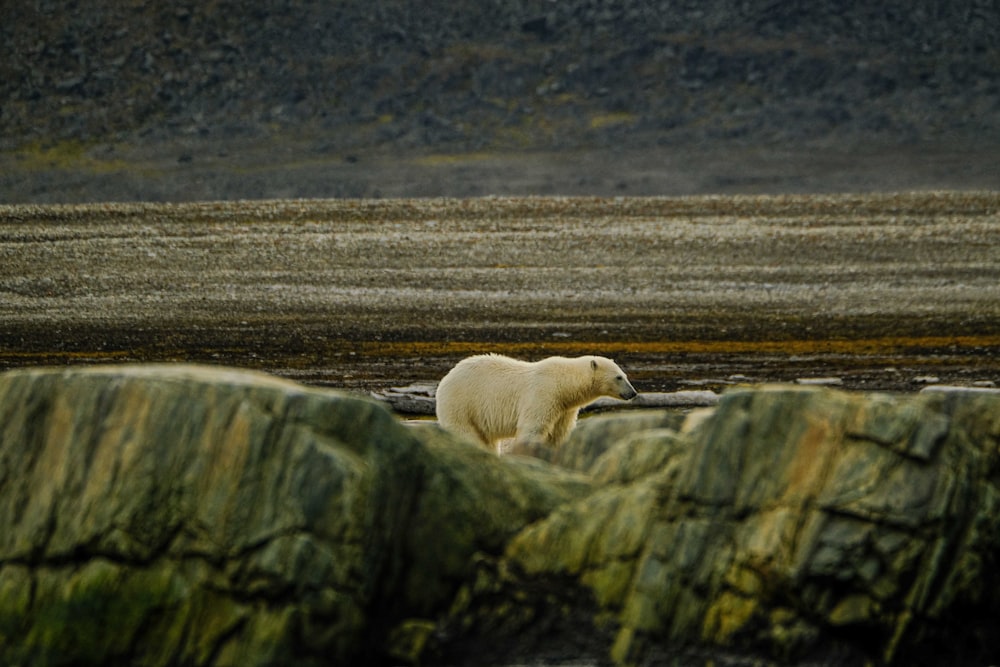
490 397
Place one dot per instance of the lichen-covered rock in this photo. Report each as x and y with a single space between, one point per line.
593 436
796 520
178 514
183 515
480 501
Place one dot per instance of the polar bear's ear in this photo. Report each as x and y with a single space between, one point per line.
593 364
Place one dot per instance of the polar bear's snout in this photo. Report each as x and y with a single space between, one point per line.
628 392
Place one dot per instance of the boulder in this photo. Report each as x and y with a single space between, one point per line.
593 437
187 515
794 524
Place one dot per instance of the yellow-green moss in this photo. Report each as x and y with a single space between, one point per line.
68 154
600 121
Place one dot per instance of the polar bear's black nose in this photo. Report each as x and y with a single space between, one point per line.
628 393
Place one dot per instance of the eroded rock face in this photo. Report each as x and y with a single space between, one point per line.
183 515
221 512
794 523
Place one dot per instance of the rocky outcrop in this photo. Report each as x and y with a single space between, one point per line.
793 524
183 515
187 515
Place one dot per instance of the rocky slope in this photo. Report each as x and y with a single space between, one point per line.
530 74
182 515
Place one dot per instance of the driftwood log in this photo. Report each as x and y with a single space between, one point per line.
418 399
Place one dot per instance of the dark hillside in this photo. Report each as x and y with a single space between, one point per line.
498 75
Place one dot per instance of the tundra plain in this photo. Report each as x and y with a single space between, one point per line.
873 291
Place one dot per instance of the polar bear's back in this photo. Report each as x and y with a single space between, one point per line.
479 396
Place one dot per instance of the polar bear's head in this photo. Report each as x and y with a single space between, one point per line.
610 380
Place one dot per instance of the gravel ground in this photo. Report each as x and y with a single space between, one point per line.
877 291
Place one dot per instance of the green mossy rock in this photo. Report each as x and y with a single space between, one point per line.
186 515
169 515
790 522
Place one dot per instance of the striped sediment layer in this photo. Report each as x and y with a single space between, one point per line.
365 294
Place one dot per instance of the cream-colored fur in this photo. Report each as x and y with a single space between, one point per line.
490 397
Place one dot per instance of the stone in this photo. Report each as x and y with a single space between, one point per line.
214 516
593 436
178 514
790 513
226 511
641 453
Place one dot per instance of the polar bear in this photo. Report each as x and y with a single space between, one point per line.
490 397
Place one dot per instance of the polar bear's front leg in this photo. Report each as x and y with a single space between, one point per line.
540 437
532 437
562 428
